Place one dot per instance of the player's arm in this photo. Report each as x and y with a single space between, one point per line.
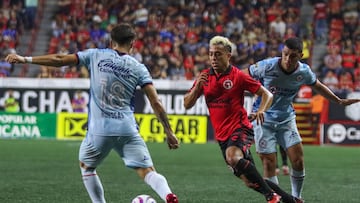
159 111
266 101
56 60
191 97
328 94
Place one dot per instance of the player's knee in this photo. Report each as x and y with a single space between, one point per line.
232 161
142 172
83 166
298 164
268 160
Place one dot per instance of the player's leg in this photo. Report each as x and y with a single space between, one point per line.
295 152
237 155
92 151
266 147
285 167
137 156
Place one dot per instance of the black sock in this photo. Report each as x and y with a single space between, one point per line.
283 156
285 197
257 183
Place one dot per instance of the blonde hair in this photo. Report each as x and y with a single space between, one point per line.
220 40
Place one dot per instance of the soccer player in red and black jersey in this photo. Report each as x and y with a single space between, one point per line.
224 86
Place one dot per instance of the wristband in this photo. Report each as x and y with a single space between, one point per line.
28 59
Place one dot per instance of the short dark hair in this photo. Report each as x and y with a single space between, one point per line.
294 43
123 33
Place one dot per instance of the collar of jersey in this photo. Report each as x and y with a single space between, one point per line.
227 72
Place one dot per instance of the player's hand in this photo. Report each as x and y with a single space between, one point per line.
201 79
346 102
251 117
14 58
259 116
172 141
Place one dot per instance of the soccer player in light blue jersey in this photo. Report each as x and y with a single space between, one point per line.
283 76
114 77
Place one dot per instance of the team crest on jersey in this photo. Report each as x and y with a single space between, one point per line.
272 89
299 78
227 84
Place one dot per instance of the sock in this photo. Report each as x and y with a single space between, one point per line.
283 156
297 180
158 183
273 179
246 168
285 197
93 185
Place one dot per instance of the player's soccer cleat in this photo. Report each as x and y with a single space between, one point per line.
275 198
298 200
285 170
171 198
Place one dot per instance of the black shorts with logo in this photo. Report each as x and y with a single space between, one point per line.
241 138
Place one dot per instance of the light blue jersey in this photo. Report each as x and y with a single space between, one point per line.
284 86
113 82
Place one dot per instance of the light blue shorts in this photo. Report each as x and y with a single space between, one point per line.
268 135
132 149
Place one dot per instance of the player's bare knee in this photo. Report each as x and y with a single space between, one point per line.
83 166
298 164
232 161
143 171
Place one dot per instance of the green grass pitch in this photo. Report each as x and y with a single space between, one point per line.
36 171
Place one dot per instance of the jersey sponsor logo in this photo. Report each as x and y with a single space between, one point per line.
228 84
108 66
282 91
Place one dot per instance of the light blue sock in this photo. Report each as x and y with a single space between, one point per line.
93 185
297 182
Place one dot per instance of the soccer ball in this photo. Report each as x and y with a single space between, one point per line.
143 199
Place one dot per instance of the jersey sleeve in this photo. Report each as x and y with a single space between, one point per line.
311 76
144 76
250 84
85 56
257 70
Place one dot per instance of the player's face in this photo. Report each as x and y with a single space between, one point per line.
219 57
290 58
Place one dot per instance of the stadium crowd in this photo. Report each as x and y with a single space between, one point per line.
173 35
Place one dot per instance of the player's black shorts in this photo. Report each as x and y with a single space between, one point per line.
241 138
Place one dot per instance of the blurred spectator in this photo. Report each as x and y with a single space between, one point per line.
320 20
306 49
45 72
140 16
3 21
78 103
332 61
11 104
201 60
357 78
346 84
177 71
279 26
348 56
72 72
30 13
331 81
5 68
189 66
235 25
